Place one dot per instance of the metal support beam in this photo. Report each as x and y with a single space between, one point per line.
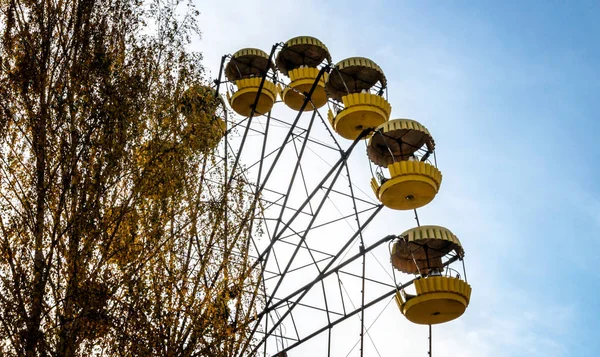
326 272
260 87
352 313
365 306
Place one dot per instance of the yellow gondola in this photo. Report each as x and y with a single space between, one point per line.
299 59
398 139
246 69
202 130
350 82
413 182
438 298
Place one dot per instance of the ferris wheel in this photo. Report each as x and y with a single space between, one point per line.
315 142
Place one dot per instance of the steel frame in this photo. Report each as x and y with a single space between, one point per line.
335 262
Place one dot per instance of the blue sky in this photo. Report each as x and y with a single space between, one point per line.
510 91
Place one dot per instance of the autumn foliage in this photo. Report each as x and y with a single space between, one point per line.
118 235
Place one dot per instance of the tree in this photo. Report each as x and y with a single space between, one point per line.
118 235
